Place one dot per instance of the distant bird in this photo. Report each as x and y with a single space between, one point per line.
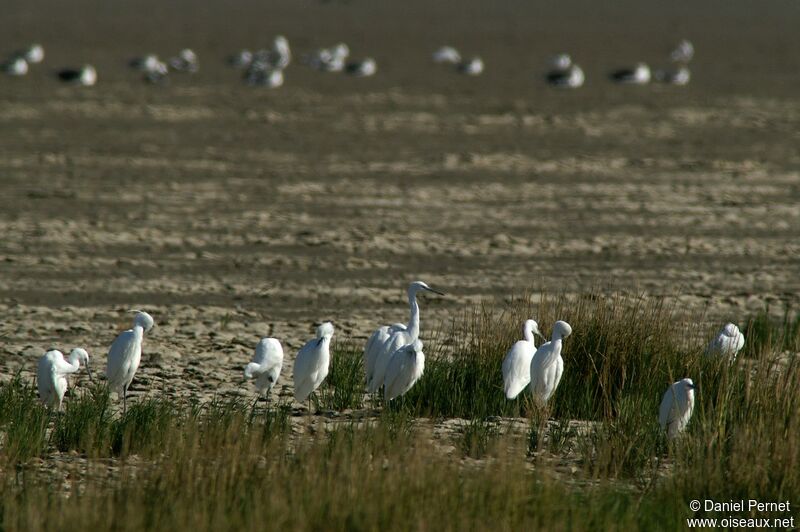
85 76
51 375
561 62
185 61
281 52
241 59
266 365
16 66
676 407
638 75
145 63
728 342
312 363
33 54
570 78
362 69
388 339
329 59
447 54
547 365
517 364
471 67
680 76
263 76
406 366
683 53
125 354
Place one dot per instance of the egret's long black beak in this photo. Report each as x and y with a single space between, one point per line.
540 335
429 289
692 386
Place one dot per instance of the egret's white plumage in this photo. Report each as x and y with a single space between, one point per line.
676 407
377 356
406 366
727 343
266 365
312 363
547 365
517 364
51 374
125 354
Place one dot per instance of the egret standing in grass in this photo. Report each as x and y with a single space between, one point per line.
51 375
517 364
266 365
312 363
727 343
676 408
388 339
547 365
405 368
125 354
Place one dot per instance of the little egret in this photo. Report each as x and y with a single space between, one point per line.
727 343
311 364
676 407
517 364
378 353
266 365
547 365
51 375
405 368
125 354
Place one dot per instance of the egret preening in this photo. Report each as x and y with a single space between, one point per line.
676 407
388 339
727 343
405 368
312 363
51 375
266 365
125 354
547 365
517 364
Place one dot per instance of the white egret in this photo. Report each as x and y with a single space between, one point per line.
377 354
125 354
676 407
266 365
547 365
517 364
727 343
638 75
312 363
405 368
51 375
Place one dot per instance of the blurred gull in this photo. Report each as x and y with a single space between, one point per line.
85 76
638 75
561 62
264 77
681 76
471 67
447 54
185 61
241 59
569 78
329 59
16 66
33 54
682 53
364 68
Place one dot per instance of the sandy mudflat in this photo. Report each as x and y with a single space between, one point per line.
231 213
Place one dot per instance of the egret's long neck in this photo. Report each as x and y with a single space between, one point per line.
527 333
555 352
413 322
75 362
138 333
